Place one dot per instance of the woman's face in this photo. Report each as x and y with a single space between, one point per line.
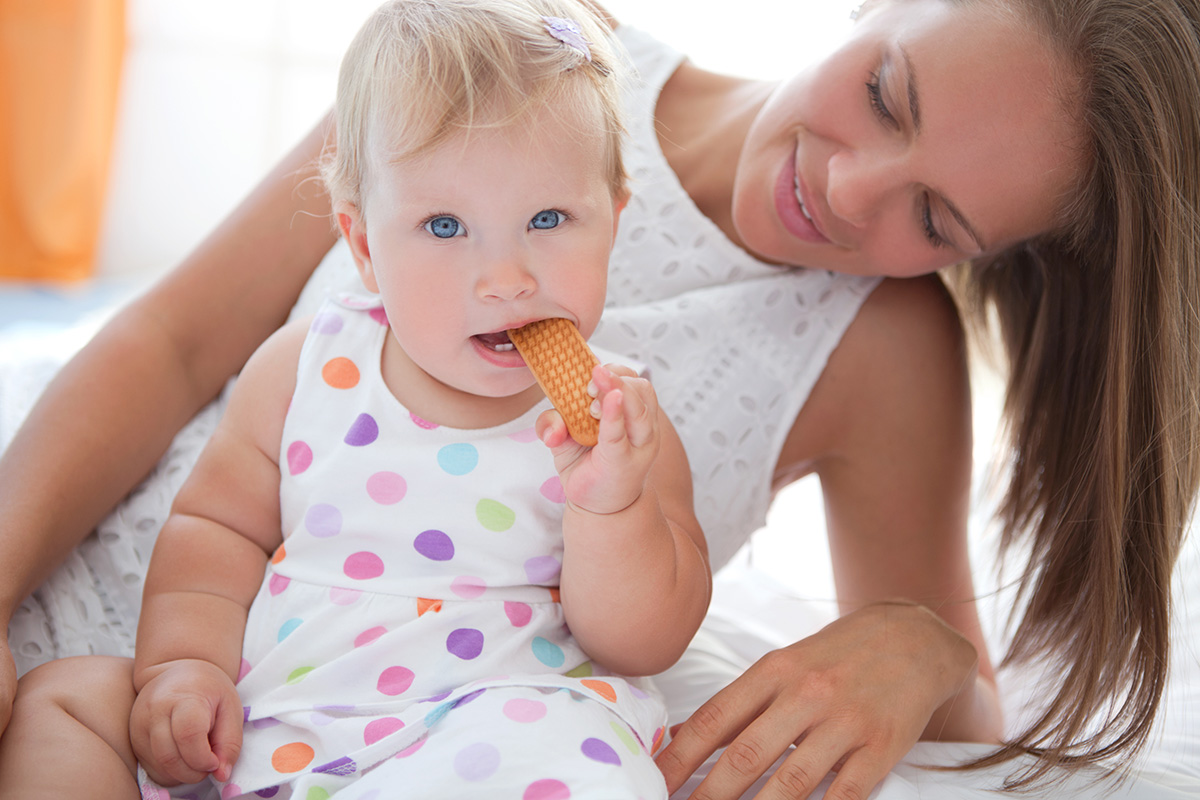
936 133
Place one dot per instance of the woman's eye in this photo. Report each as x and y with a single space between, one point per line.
875 95
445 227
544 220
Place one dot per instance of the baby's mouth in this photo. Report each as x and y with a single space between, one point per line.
497 342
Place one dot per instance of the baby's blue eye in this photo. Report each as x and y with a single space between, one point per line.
546 219
445 227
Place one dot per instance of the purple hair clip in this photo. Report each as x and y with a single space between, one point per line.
569 33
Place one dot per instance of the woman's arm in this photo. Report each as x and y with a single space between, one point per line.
109 415
888 430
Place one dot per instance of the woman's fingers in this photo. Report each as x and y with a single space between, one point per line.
710 728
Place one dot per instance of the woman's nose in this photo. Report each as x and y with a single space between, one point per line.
859 183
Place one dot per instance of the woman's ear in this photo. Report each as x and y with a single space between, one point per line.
354 229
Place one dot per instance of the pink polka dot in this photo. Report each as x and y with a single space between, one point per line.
524 437
343 597
299 457
243 668
468 587
386 488
230 790
394 681
277 584
518 614
379 315
421 423
521 710
412 748
381 728
552 490
546 789
363 565
368 636
477 762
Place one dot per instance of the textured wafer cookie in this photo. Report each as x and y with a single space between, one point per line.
560 359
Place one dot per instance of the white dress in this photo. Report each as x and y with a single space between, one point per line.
408 630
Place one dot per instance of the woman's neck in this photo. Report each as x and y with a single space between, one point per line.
702 120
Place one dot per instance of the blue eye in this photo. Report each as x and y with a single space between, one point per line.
544 220
445 227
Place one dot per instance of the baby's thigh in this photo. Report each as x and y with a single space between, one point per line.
524 742
77 707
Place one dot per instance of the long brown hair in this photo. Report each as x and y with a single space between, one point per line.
1100 324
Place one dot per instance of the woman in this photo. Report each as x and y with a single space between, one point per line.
1050 143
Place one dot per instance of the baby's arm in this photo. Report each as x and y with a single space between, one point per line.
635 579
206 569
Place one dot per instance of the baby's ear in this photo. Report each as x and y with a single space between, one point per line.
354 229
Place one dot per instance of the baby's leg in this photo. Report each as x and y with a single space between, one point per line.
69 735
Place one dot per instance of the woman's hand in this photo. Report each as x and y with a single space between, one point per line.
853 698
187 723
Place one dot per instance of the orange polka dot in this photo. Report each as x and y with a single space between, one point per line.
279 555
555 594
292 757
426 604
340 373
602 688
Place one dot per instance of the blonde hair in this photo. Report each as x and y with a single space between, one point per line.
420 72
1100 323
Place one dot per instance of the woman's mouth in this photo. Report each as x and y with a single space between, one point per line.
791 209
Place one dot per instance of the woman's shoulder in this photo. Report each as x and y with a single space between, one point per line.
899 372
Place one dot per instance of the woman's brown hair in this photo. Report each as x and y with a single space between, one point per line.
1100 325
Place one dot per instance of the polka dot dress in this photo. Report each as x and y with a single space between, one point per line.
407 632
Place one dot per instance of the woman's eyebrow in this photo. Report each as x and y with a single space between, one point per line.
914 110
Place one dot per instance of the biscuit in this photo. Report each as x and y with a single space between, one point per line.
557 354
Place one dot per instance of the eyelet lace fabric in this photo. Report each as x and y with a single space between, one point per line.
733 346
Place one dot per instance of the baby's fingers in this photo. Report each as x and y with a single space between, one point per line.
227 736
191 722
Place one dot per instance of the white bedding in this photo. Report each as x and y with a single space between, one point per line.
90 604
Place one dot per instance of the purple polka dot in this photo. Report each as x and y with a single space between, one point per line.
346 766
466 698
264 723
270 791
543 569
363 431
363 566
434 545
598 750
394 681
299 457
518 614
477 762
552 490
323 520
466 643
386 488
326 323
546 789
381 728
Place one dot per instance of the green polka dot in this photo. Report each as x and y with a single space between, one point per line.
298 674
625 737
584 670
316 793
495 516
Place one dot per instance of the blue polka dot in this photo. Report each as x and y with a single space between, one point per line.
458 459
548 652
286 628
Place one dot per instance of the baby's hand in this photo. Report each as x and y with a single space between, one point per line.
187 723
610 476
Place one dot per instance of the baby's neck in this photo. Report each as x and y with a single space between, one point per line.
441 404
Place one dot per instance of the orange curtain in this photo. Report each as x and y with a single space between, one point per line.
60 63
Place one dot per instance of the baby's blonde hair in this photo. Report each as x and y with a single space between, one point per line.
420 72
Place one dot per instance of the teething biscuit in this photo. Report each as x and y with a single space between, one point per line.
560 359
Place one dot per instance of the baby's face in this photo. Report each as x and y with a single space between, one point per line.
487 232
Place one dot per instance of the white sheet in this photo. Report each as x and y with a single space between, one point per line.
90 606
